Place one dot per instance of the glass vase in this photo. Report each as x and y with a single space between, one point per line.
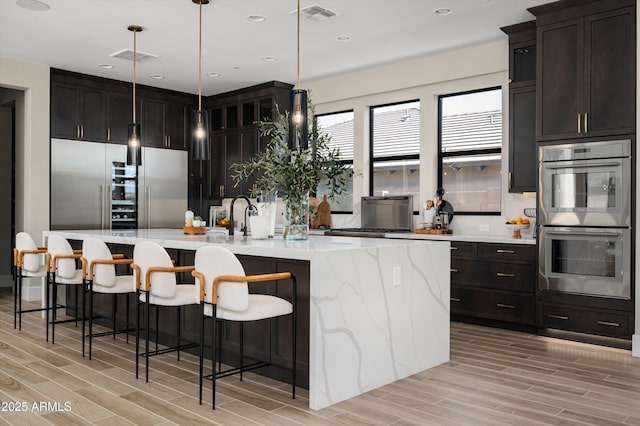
296 218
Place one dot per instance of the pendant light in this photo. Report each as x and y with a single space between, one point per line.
298 127
134 146
200 117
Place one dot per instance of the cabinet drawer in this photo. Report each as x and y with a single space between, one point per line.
462 249
586 320
516 252
495 275
492 305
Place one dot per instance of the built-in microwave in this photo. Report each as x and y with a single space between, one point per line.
585 184
586 261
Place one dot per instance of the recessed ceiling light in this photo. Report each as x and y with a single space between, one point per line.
256 18
269 59
156 76
213 74
33 5
343 38
106 66
441 11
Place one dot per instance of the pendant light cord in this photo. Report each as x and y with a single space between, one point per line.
298 48
200 60
134 75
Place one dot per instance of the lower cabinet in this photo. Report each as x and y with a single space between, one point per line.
601 322
493 282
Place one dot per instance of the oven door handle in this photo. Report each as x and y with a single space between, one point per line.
586 234
582 165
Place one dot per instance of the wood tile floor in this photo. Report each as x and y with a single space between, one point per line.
495 377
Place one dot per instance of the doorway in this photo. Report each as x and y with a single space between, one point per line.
7 188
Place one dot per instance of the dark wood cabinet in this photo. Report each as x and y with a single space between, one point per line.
119 116
523 168
582 319
586 58
165 123
235 136
78 112
493 282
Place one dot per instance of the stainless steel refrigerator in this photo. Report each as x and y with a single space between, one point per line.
92 188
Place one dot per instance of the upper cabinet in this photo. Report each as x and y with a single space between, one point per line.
165 120
522 107
78 112
235 137
586 58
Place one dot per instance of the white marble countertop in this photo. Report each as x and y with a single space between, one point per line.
481 238
275 247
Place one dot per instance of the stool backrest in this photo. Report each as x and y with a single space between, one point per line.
95 249
213 261
56 245
147 254
31 261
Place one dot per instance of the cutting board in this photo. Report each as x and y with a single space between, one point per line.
434 231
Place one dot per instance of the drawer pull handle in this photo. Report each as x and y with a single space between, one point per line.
560 317
454 270
610 324
502 305
453 248
502 274
505 251
455 299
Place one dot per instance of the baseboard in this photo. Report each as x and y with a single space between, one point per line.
635 344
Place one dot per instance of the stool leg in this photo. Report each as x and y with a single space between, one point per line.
157 326
213 358
90 319
114 309
127 298
137 331
55 310
178 331
47 303
241 348
294 327
18 300
146 347
84 317
201 369
75 290
219 325
15 296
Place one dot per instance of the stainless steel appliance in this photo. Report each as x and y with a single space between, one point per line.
591 261
92 188
585 218
380 215
586 184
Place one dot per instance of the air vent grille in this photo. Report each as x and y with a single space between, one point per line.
127 54
315 13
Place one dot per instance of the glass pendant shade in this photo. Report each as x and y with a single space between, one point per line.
200 135
298 127
134 146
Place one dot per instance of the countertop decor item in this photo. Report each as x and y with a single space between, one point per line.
295 172
517 227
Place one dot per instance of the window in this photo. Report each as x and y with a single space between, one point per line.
395 150
339 126
470 150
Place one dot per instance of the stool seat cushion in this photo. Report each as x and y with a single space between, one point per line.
77 278
121 284
38 273
261 306
185 294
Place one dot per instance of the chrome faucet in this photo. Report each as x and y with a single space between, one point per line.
230 226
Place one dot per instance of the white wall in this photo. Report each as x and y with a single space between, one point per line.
424 78
32 143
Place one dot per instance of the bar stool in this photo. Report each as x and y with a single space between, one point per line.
26 264
102 279
63 271
226 297
159 288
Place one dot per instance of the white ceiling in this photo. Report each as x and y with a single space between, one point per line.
79 35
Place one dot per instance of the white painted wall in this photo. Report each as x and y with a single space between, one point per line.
32 143
424 78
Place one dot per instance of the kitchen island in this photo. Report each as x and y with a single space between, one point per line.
371 311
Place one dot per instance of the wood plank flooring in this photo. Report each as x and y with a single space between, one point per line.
495 377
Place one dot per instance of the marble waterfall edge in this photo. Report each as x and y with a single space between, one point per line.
367 332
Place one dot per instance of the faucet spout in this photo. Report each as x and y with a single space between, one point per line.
230 227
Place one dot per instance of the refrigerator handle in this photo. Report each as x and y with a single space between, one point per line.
109 203
101 198
148 206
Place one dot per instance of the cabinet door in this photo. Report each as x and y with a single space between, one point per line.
175 121
64 111
215 168
559 79
120 115
93 113
233 154
249 150
152 125
610 57
522 140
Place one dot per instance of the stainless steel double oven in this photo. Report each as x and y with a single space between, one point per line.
585 218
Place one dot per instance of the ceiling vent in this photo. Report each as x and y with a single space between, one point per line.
127 54
315 13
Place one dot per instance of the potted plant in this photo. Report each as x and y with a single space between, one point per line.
295 172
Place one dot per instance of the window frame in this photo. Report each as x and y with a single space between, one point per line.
372 159
443 155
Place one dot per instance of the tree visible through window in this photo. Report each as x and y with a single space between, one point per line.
470 150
